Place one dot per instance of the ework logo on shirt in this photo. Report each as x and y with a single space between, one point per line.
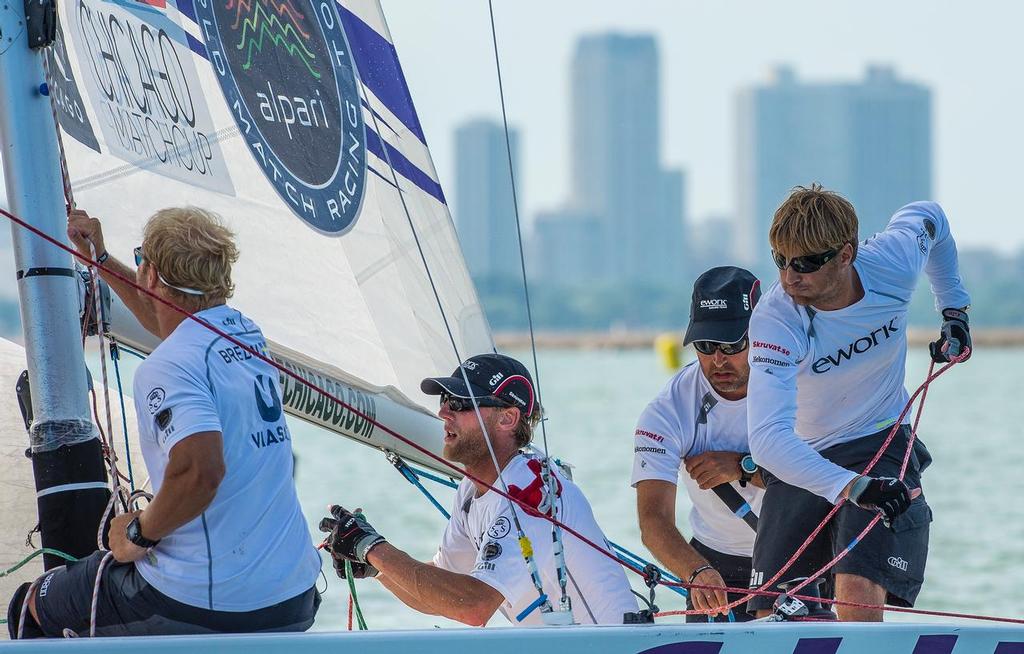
859 346
713 304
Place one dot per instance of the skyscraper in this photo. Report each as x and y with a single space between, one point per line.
484 212
870 141
617 177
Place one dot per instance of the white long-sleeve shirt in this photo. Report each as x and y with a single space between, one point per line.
820 378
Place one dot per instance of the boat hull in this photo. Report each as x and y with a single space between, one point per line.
769 638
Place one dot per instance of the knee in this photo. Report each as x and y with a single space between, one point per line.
17 608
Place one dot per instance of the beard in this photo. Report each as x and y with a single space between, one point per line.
469 446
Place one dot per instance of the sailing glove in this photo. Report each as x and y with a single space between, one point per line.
887 495
351 536
954 336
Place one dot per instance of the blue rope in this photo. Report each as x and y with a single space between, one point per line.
432 477
408 473
633 559
115 357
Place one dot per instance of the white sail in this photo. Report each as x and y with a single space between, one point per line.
292 119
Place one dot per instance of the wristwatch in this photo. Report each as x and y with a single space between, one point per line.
747 469
134 533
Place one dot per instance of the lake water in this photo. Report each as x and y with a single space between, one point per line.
972 425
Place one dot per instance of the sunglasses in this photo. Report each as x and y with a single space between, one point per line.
460 404
138 256
728 349
808 263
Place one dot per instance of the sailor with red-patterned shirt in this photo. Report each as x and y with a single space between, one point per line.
478 568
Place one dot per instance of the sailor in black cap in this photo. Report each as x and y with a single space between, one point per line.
478 568
696 430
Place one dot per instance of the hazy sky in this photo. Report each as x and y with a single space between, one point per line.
970 53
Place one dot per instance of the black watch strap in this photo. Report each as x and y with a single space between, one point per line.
134 533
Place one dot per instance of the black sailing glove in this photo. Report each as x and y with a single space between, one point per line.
888 495
955 333
359 570
351 536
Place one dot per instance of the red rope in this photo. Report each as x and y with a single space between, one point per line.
431 455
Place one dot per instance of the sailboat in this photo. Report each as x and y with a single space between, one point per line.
293 120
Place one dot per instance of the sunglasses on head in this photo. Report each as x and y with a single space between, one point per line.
808 263
138 256
728 349
460 404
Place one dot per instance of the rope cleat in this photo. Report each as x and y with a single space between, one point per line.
788 607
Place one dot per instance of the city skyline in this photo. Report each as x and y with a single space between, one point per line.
711 51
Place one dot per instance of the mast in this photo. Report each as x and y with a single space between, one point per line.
67 457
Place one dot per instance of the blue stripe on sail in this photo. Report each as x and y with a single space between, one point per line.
743 510
817 646
187 9
197 46
377 62
935 644
1010 648
402 165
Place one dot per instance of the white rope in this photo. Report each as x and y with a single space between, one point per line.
24 607
96 593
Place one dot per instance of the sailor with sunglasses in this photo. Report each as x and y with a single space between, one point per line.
828 352
697 426
479 568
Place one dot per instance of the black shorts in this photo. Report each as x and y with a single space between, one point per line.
893 558
129 606
735 570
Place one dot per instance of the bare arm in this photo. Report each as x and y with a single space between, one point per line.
83 230
194 472
656 508
433 590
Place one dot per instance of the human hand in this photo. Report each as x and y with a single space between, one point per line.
707 599
954 337
887 495
351 536
124 550
710 469
84 230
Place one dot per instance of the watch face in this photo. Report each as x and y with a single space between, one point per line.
748 465
133 530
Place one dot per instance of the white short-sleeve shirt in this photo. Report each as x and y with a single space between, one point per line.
669 430
481 541
250 548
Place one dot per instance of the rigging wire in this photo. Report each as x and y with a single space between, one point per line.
547 475
524 543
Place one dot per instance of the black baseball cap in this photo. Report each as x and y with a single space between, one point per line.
489 375
723 299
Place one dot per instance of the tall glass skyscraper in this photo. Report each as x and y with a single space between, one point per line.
870 141
484 212
617 176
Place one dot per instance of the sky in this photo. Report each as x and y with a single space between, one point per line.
970 54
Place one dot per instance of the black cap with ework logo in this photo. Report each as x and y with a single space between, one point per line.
489 375
723 299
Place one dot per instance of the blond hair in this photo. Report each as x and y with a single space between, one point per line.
192 248
813 220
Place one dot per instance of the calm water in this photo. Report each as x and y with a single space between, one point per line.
971 424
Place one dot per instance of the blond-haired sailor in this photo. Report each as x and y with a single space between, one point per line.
223 545
828 353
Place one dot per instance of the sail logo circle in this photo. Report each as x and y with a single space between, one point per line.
287 73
